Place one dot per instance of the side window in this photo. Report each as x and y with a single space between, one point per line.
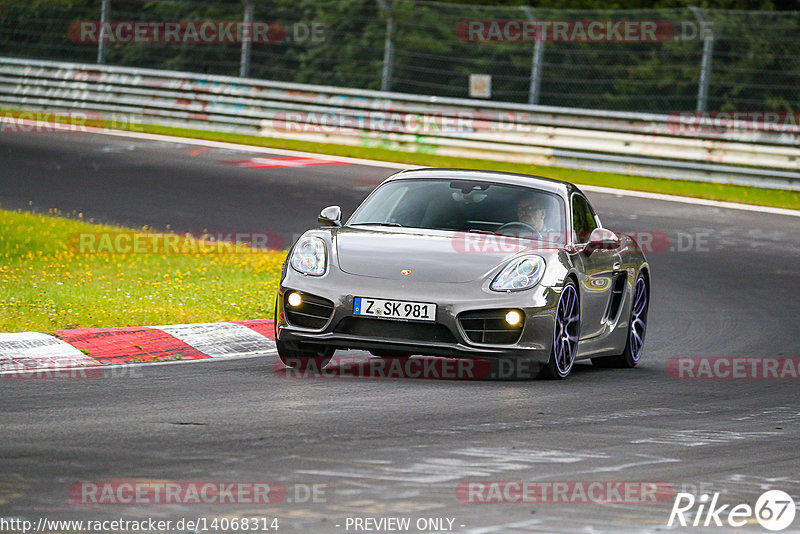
583 221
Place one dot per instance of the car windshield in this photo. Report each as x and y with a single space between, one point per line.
467 206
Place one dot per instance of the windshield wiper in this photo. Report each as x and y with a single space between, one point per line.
378 224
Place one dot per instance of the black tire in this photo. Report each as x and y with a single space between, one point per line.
637 328
566 334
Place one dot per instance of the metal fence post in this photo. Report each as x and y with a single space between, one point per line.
101 43
388 47
247 39
705 65
536 62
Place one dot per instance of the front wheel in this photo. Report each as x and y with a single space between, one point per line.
636 330
565 334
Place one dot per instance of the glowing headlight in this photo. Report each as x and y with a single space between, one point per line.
521 273
294 299
308 256
513 318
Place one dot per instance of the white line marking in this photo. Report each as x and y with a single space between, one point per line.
252 148
393 165
690 200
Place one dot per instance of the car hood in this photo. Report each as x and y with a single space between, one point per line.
429 255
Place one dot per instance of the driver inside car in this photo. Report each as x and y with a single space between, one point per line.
532 214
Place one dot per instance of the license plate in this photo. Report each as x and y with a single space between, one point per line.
394 309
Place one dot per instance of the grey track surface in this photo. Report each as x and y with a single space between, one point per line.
400 447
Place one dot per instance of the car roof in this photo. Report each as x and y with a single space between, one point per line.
510 178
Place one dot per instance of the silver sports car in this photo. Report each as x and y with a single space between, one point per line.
466 264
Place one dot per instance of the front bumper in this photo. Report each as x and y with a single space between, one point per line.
538 305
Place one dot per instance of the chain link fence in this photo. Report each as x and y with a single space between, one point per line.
659 61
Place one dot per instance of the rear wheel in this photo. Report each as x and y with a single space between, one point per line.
565 334
636 330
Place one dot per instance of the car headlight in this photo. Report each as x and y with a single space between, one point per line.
520 273
308 256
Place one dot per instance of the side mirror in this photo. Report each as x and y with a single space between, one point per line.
330 216
602 239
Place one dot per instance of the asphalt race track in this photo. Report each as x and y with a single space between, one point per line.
727 286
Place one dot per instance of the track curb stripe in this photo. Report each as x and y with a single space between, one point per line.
218 340
265 327
22 352
122 345
33 350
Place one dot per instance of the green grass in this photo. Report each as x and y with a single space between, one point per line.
48 283
712 191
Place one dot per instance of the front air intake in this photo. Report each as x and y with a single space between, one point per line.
490 327
312 312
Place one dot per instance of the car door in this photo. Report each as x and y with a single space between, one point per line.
600 268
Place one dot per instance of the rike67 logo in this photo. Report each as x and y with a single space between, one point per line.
774 510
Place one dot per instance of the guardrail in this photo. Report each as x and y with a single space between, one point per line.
629 143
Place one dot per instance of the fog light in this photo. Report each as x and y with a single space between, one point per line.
513 318
294 299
